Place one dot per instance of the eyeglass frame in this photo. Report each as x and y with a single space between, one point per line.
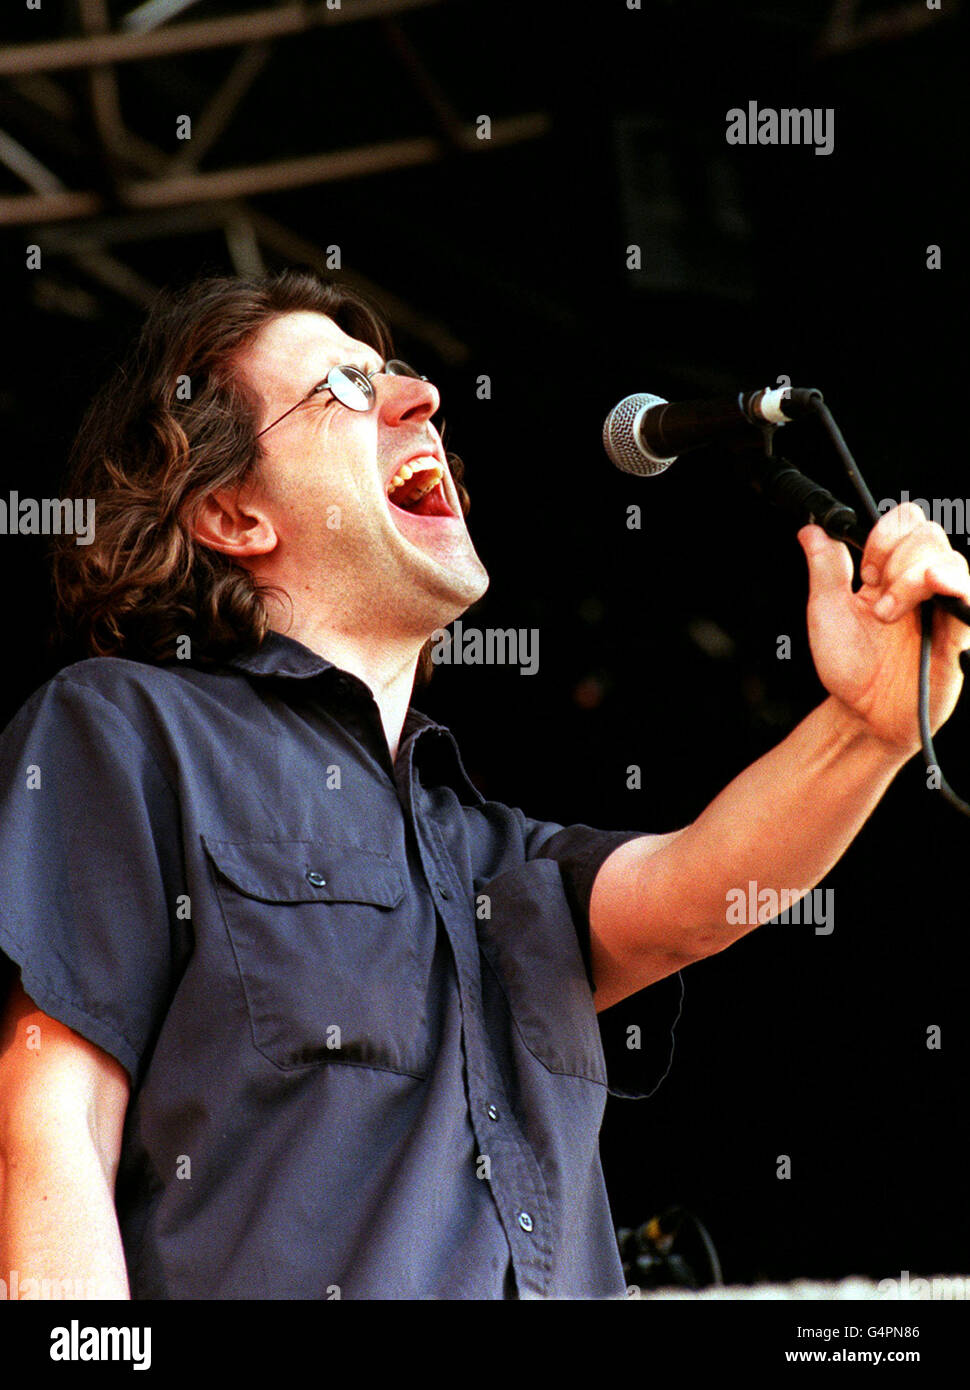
365 378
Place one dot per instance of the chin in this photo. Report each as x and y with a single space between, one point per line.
441 603
468 588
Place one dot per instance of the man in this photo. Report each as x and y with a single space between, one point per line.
298 1014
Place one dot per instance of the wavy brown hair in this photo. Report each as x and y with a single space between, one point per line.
174 424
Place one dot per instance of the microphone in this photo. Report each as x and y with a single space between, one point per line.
644 434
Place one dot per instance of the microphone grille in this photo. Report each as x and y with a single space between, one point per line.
621 436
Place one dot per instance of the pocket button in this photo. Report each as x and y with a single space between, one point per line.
316 879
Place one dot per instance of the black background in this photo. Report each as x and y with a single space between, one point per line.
658 646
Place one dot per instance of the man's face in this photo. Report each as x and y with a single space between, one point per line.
355 557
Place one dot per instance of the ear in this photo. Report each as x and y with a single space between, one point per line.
234 525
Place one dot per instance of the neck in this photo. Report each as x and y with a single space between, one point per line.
385 664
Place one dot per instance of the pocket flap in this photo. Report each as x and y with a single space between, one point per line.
300 871
530 940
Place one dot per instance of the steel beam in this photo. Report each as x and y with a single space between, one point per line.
103 89
446 115
243 246
221 107
22 163
153 13
116 276
267 178
58 54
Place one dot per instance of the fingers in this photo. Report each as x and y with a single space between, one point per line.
829 562
891 528
907 560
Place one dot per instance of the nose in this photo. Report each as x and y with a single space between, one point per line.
406 398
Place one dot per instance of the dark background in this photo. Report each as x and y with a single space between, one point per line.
658 646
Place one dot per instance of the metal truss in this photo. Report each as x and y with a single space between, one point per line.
141 192
137 43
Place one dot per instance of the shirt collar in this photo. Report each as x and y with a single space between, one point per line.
281 656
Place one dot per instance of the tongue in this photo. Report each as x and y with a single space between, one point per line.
434 503
431 504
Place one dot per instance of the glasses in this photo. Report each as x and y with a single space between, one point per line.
351 387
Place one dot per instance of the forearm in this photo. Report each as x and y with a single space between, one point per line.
58 1227
781 825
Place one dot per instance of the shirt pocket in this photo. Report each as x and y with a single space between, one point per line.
326 953
529 940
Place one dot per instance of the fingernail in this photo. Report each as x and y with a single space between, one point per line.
869 574
886 606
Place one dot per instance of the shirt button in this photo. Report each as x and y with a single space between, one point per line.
525 1221
316 879
442 890
492 1112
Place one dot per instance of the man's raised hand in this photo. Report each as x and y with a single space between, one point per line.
866 643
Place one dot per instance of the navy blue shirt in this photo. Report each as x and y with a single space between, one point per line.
353 997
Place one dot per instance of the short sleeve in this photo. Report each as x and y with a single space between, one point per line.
638 1033
91 868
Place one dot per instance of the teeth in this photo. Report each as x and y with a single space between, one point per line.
407 471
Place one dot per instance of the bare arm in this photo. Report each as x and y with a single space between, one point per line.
661 902
62 1110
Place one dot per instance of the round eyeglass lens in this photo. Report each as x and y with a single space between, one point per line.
398 368
351 388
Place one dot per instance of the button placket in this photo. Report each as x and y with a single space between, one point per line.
515 1176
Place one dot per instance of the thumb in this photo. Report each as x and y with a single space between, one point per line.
829 563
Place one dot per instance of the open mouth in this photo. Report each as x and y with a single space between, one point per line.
416 488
